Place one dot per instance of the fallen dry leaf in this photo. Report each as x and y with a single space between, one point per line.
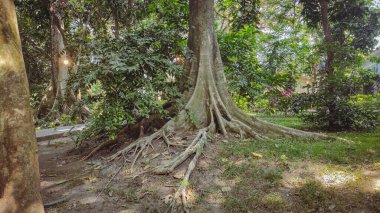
256 155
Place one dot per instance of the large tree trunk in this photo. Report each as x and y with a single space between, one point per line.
19 176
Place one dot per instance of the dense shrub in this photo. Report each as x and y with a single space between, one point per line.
351 112
129 78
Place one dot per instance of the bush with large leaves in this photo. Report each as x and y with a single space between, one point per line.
129 78
352 111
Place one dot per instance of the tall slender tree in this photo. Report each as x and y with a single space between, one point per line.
19 172
348 27
59 70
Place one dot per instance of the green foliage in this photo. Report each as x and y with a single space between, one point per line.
260 62
347 116
354 24
34 25
241 13
191 118
342 108
129 78
238 52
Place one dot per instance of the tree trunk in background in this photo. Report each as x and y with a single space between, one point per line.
329 41
19 172
128 22
59 70
115 15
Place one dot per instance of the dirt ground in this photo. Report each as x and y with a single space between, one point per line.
218 184
71 185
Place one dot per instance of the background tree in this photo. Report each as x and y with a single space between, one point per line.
19 177
266 56
59 61
349 29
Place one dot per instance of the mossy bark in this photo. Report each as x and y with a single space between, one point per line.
19 172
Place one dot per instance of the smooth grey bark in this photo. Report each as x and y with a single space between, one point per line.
19 171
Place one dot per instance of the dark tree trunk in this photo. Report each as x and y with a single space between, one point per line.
19 172
329 41
115 15
128 21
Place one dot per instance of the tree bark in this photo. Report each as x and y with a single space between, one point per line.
19 172
329 41
128 21
59 70
115 15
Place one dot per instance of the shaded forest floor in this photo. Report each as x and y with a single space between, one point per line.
285 175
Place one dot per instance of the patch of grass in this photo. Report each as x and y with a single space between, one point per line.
364 149
233 170
235 205
260 177
252 171
285 120
256 178
274 201
313 195
272 175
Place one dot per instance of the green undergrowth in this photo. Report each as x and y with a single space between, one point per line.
285 120
364 149
264 172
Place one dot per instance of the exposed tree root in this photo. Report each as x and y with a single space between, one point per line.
56 202
99 147
197 143
139 129
197 147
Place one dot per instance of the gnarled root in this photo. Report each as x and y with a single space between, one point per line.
196 144
141 144
196 147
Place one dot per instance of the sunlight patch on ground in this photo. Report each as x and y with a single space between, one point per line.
336 178
377 185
